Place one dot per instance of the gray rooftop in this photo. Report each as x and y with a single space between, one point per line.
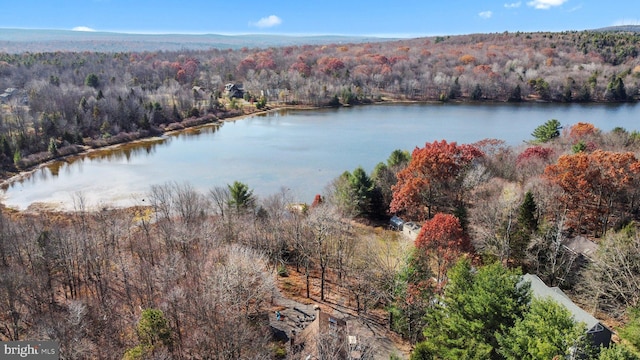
541 291
583 246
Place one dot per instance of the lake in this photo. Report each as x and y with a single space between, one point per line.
298 150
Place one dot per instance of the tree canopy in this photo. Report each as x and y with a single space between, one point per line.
547 131
477 307
153 333
241 196
398 158
631 331
617 352
441 241
546 331
597 186
432 182
92 80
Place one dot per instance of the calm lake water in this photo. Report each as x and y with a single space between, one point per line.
298 150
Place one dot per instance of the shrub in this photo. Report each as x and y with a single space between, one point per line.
279 352
282 271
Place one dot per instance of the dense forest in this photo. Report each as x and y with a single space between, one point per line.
188 275
57 102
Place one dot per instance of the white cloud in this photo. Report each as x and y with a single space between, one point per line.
267 22
82 28
485 14
545 4
513 5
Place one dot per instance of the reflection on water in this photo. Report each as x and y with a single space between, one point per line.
196 131
119 153
299 150
126 151
54 168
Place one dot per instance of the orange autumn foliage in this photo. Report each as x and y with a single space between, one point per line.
432 182
580 130
442 231
482 69
330 64
598 187
467 59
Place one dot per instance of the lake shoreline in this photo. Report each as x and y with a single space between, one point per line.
10 177
175 128
6 181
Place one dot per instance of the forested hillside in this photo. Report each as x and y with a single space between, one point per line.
58 99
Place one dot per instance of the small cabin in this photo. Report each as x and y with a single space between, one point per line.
233 91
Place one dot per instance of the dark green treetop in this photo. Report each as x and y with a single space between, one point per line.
547 131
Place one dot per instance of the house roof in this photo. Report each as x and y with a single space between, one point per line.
412 226
396 221
541 290
411 229
581 245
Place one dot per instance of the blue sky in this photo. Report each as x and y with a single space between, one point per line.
406 18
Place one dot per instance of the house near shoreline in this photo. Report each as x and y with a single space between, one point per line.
598 333
233 90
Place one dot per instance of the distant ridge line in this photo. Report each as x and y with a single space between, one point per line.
620 28
38 40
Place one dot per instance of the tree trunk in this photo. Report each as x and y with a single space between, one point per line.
322 277
306 273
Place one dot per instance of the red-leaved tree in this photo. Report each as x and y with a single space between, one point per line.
330 65
432 182
534 153
441 242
